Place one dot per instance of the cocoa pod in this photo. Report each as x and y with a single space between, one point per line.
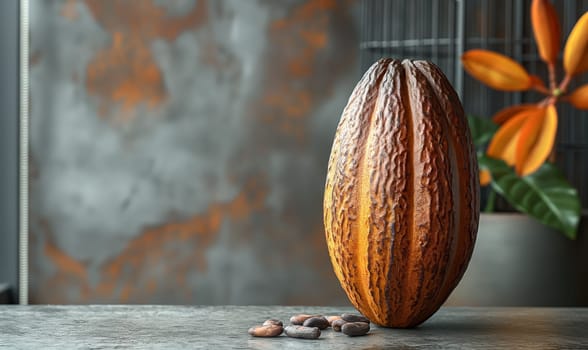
402 192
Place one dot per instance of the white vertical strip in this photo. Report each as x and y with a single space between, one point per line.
460 44
23 257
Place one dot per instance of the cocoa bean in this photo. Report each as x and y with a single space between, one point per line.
355 318
337 324
354 329
299 319
266 331
302 332
273 322
332 318
319 322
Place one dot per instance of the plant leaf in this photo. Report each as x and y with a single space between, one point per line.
485 177
505 114
504 142
482 130
536 140
546 29
497 167
537 82
575 58
579 97
544 195
496 70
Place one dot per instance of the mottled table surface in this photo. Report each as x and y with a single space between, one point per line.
225 327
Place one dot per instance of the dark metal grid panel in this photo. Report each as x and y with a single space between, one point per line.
9 85
572 147
386 33
441 30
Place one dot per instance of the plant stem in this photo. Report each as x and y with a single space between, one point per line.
565 82
542 90
490 201
552 81
547 101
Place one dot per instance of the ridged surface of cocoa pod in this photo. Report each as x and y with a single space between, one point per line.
401 196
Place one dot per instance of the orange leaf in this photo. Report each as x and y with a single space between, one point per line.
496 70
575 58
546 29
579 97
485 177
505 114
536 140
537 82
504 142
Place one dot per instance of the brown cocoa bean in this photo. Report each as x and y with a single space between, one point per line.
266 331
332 318
299 319
273 322
319 322
337 324
354 329
355 318
302 332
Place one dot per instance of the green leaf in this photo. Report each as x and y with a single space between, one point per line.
544 195
482 130
497 167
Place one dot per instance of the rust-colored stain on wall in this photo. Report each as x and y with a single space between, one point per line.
128 276
69 10
220 200
299 48
126 73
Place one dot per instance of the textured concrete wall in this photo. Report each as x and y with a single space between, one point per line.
179 149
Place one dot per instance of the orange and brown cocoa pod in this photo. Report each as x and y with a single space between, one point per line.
401 196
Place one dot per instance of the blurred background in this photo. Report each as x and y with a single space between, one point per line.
179 147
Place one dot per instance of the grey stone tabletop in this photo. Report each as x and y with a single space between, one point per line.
225 327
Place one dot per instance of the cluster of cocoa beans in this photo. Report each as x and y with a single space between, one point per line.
306 326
